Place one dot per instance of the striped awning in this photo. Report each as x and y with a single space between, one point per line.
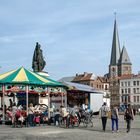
24 76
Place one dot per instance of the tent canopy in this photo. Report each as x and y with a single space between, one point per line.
24 76
80 87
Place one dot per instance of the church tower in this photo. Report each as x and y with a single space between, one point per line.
115 53
120 63
124 65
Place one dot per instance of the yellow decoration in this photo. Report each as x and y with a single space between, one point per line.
21 76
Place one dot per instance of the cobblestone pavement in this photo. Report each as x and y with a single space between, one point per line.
56 133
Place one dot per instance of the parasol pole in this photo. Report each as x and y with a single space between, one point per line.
27 99
3 100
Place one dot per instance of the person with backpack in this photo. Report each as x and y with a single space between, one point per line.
104 114
114 118
128 116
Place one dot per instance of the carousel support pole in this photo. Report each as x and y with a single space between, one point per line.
65 93
27 99
62 103
48 102
3 101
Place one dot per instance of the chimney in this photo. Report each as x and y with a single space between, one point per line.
76 74
85 73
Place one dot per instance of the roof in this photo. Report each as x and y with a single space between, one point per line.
83 77
24 76
67 79
103 79
115 53
80 87
124 58
129 76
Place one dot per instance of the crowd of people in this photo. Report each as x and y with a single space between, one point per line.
114 115
19 116
38 113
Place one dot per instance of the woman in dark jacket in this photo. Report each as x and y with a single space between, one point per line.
128 116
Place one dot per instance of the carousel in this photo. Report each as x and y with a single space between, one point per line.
24 86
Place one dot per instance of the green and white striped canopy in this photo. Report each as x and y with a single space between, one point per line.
24 76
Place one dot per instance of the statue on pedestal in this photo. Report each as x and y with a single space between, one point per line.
38 62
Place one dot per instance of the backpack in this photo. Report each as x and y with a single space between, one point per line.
128 114
105 111
18 113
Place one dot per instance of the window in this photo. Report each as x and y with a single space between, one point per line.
129 83
122 91
122 84
125 90
129 90
134 90
134 98
137 83
106 87
137 98
126 84
134 83
137 90
102 86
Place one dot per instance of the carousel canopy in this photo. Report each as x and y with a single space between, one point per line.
24 76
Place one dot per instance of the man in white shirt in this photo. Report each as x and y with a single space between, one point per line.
104 114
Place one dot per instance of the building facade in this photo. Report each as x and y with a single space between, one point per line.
130 90
97 82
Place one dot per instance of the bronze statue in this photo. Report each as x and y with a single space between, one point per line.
38 62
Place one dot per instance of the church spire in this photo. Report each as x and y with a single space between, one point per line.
115 53
124 58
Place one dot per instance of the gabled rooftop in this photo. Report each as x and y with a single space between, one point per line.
84 77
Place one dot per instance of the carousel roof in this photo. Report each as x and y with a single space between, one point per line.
24 76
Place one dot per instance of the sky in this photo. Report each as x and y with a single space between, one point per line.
75 35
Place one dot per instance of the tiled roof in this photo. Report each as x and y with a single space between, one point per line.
83 77
129 76
103 79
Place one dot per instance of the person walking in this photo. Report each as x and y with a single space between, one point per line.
104 114
114 118
128 116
